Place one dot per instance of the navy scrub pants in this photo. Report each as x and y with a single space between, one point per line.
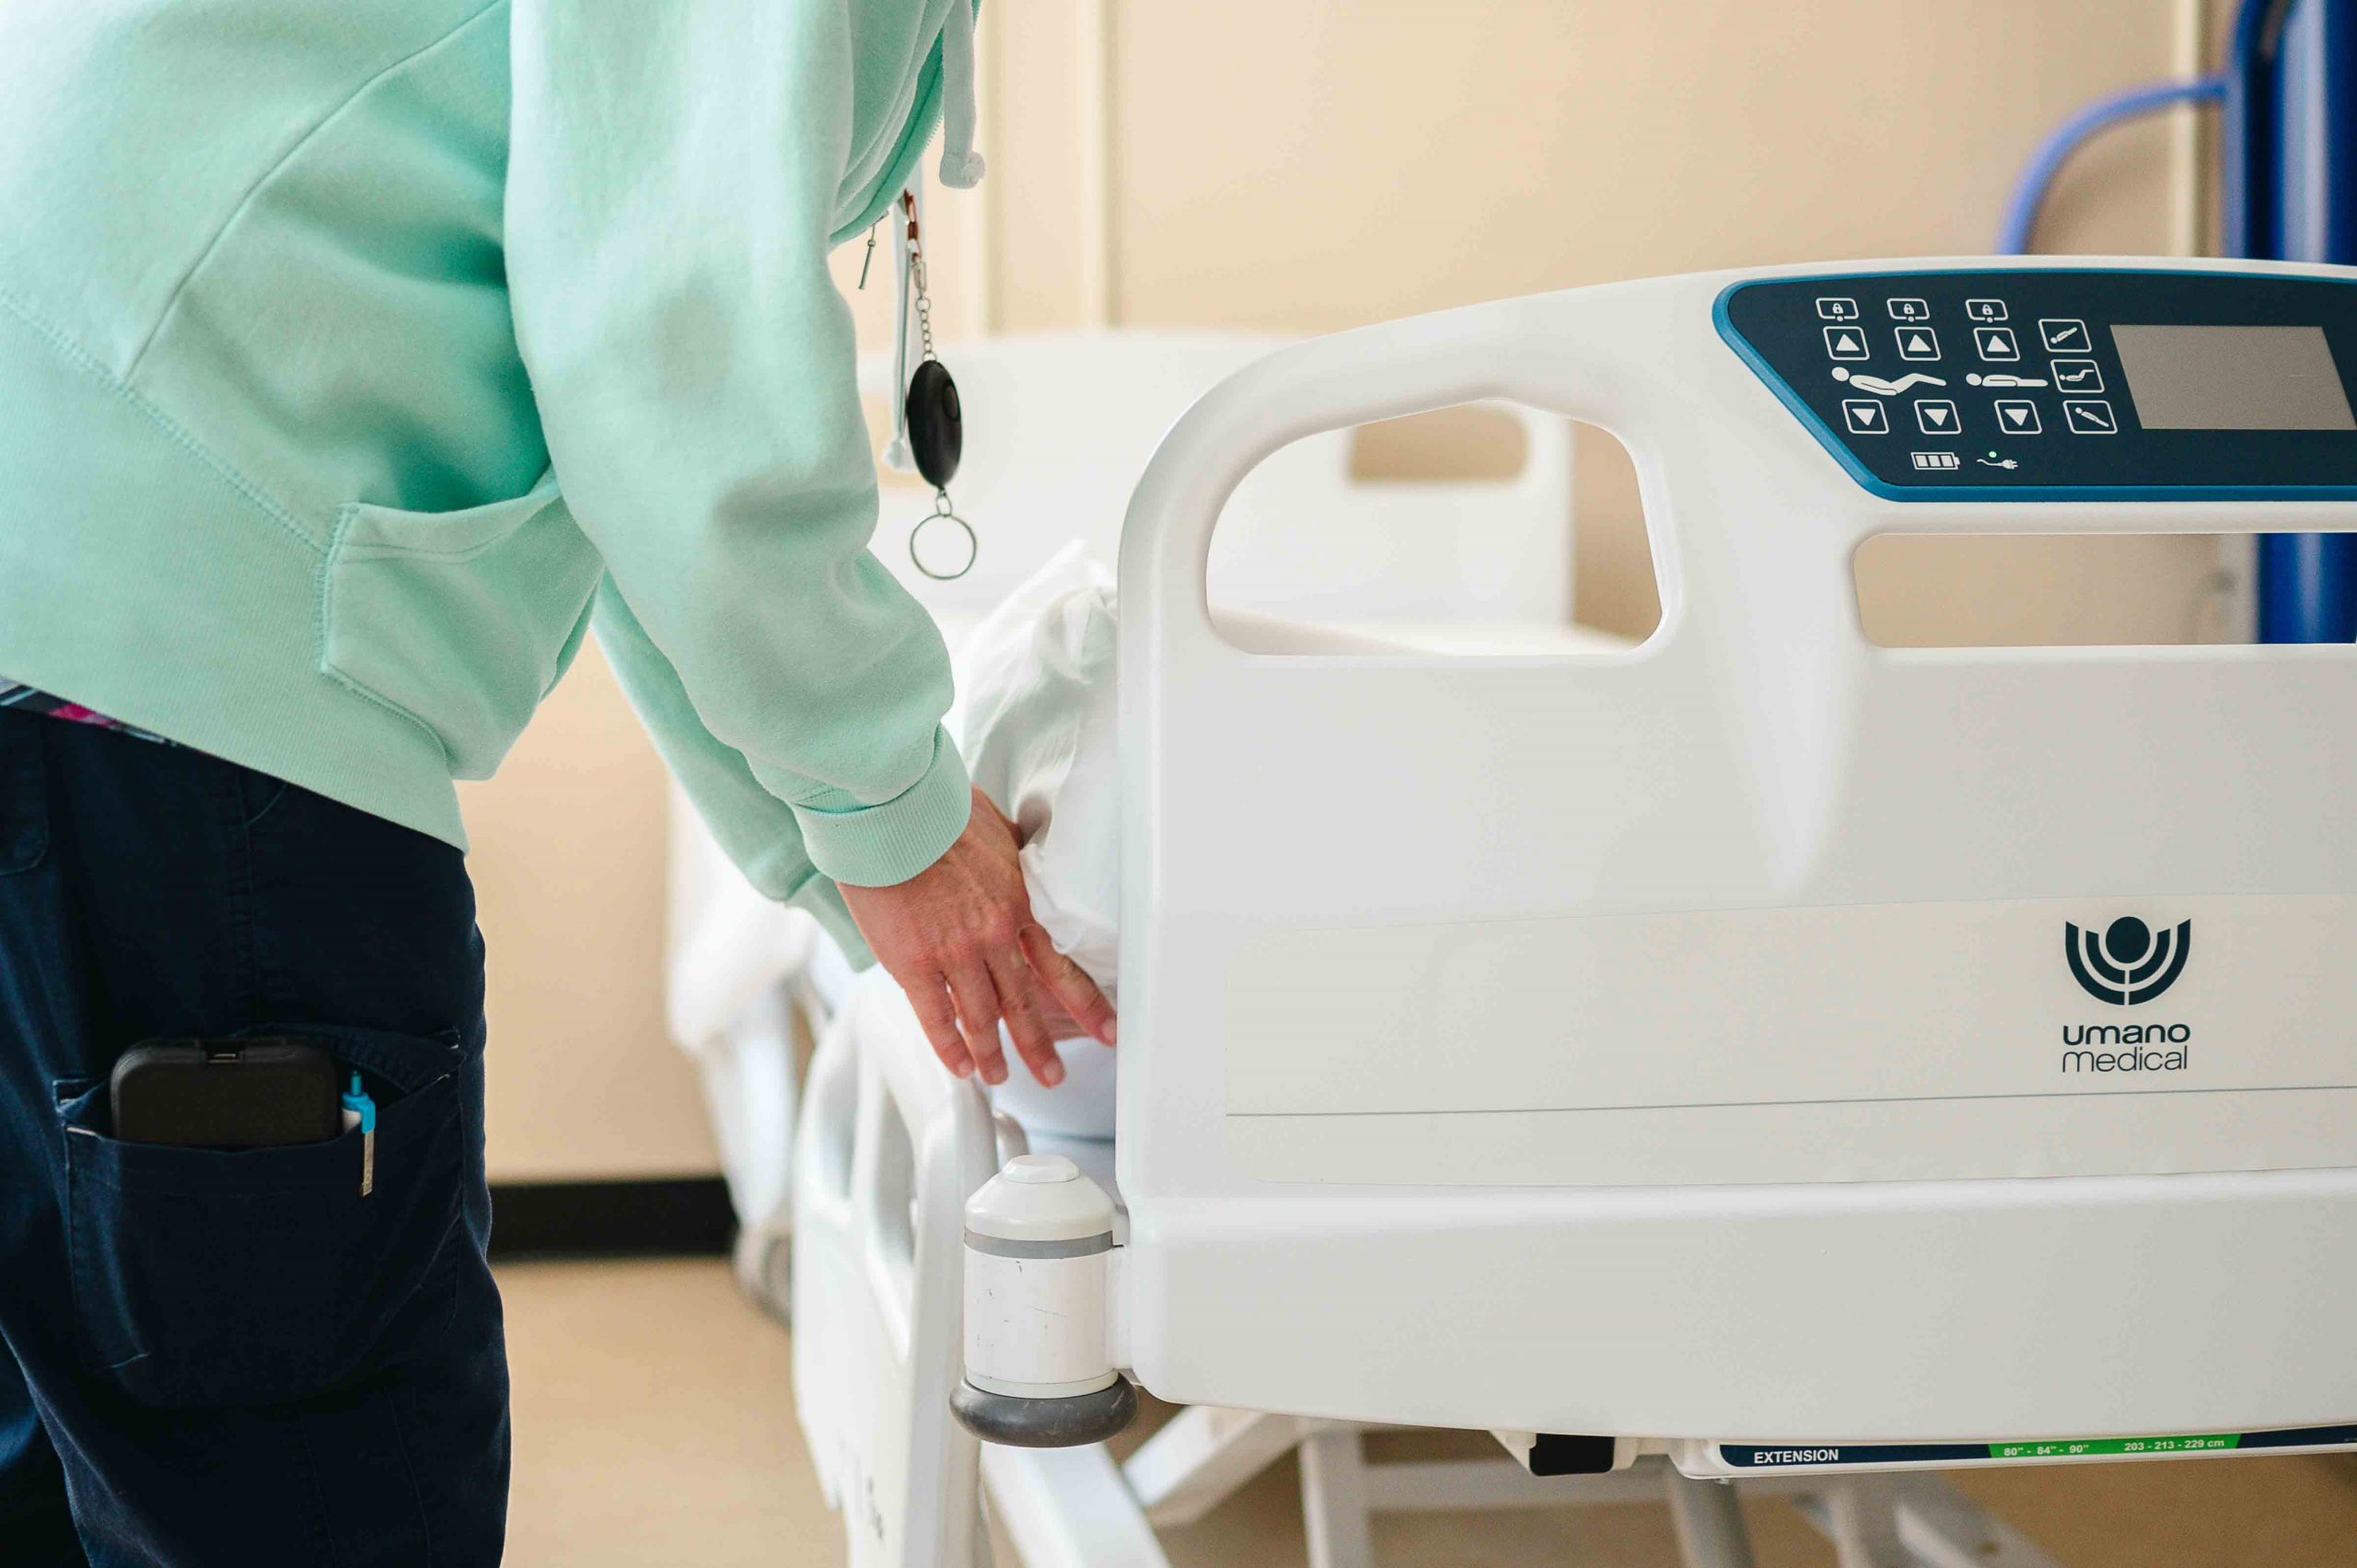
212 1358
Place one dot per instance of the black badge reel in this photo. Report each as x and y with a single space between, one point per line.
931 434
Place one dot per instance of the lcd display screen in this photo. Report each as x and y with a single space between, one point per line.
2232 378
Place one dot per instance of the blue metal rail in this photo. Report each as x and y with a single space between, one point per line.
2289 193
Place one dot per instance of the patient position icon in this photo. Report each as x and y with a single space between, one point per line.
2128 962
1881 387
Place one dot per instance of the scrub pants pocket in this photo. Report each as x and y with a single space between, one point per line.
210 1278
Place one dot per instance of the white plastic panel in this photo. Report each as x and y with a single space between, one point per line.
1861 1042
1565 1265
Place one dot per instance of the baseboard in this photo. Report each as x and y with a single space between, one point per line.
683 1217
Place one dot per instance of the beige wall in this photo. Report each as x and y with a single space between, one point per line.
568 866
1304 166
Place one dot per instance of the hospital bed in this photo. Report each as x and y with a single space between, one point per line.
1059 425
1783 1063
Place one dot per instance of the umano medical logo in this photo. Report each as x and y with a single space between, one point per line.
2126 963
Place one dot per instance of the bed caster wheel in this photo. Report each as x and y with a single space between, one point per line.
1020 1422
763 1265
1040 1367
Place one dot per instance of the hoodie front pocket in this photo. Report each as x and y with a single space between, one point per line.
459 620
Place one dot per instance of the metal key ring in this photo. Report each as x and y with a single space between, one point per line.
941 513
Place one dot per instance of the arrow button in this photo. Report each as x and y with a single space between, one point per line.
1846 343
1996 343
1918 343
1937 416
1864 417
2017 416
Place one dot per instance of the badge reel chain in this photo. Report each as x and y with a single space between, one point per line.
934 421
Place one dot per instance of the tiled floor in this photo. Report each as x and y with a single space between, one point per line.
654 1425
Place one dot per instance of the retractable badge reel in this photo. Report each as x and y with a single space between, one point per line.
932 431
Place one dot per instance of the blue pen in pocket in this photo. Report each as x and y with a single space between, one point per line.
360 1110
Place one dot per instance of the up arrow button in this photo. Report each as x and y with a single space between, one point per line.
1845 343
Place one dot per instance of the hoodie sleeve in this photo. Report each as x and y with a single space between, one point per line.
673 180
754 828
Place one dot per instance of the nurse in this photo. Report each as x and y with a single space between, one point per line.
355 362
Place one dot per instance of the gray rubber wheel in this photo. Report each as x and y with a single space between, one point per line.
1019 1423
763 1265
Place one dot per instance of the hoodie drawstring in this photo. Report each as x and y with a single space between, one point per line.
961 169
961 166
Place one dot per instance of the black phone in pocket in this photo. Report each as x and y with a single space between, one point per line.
226 1094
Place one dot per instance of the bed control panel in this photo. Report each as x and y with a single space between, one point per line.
2044 384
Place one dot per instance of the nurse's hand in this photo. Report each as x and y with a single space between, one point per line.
960 938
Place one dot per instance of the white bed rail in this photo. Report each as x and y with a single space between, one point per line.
890 1147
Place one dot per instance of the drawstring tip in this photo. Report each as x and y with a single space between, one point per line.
962 171
897 457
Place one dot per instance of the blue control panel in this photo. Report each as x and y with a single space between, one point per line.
2050 383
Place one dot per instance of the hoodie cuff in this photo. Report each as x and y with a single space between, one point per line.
876 846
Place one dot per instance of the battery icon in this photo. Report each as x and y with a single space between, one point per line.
1936 459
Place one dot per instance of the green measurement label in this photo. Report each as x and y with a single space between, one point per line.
1799 1455
2098 1447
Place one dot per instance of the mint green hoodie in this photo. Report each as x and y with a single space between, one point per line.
355 358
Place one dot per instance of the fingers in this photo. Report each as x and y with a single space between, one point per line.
1016 986
978 1015
1070 984
930 1001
